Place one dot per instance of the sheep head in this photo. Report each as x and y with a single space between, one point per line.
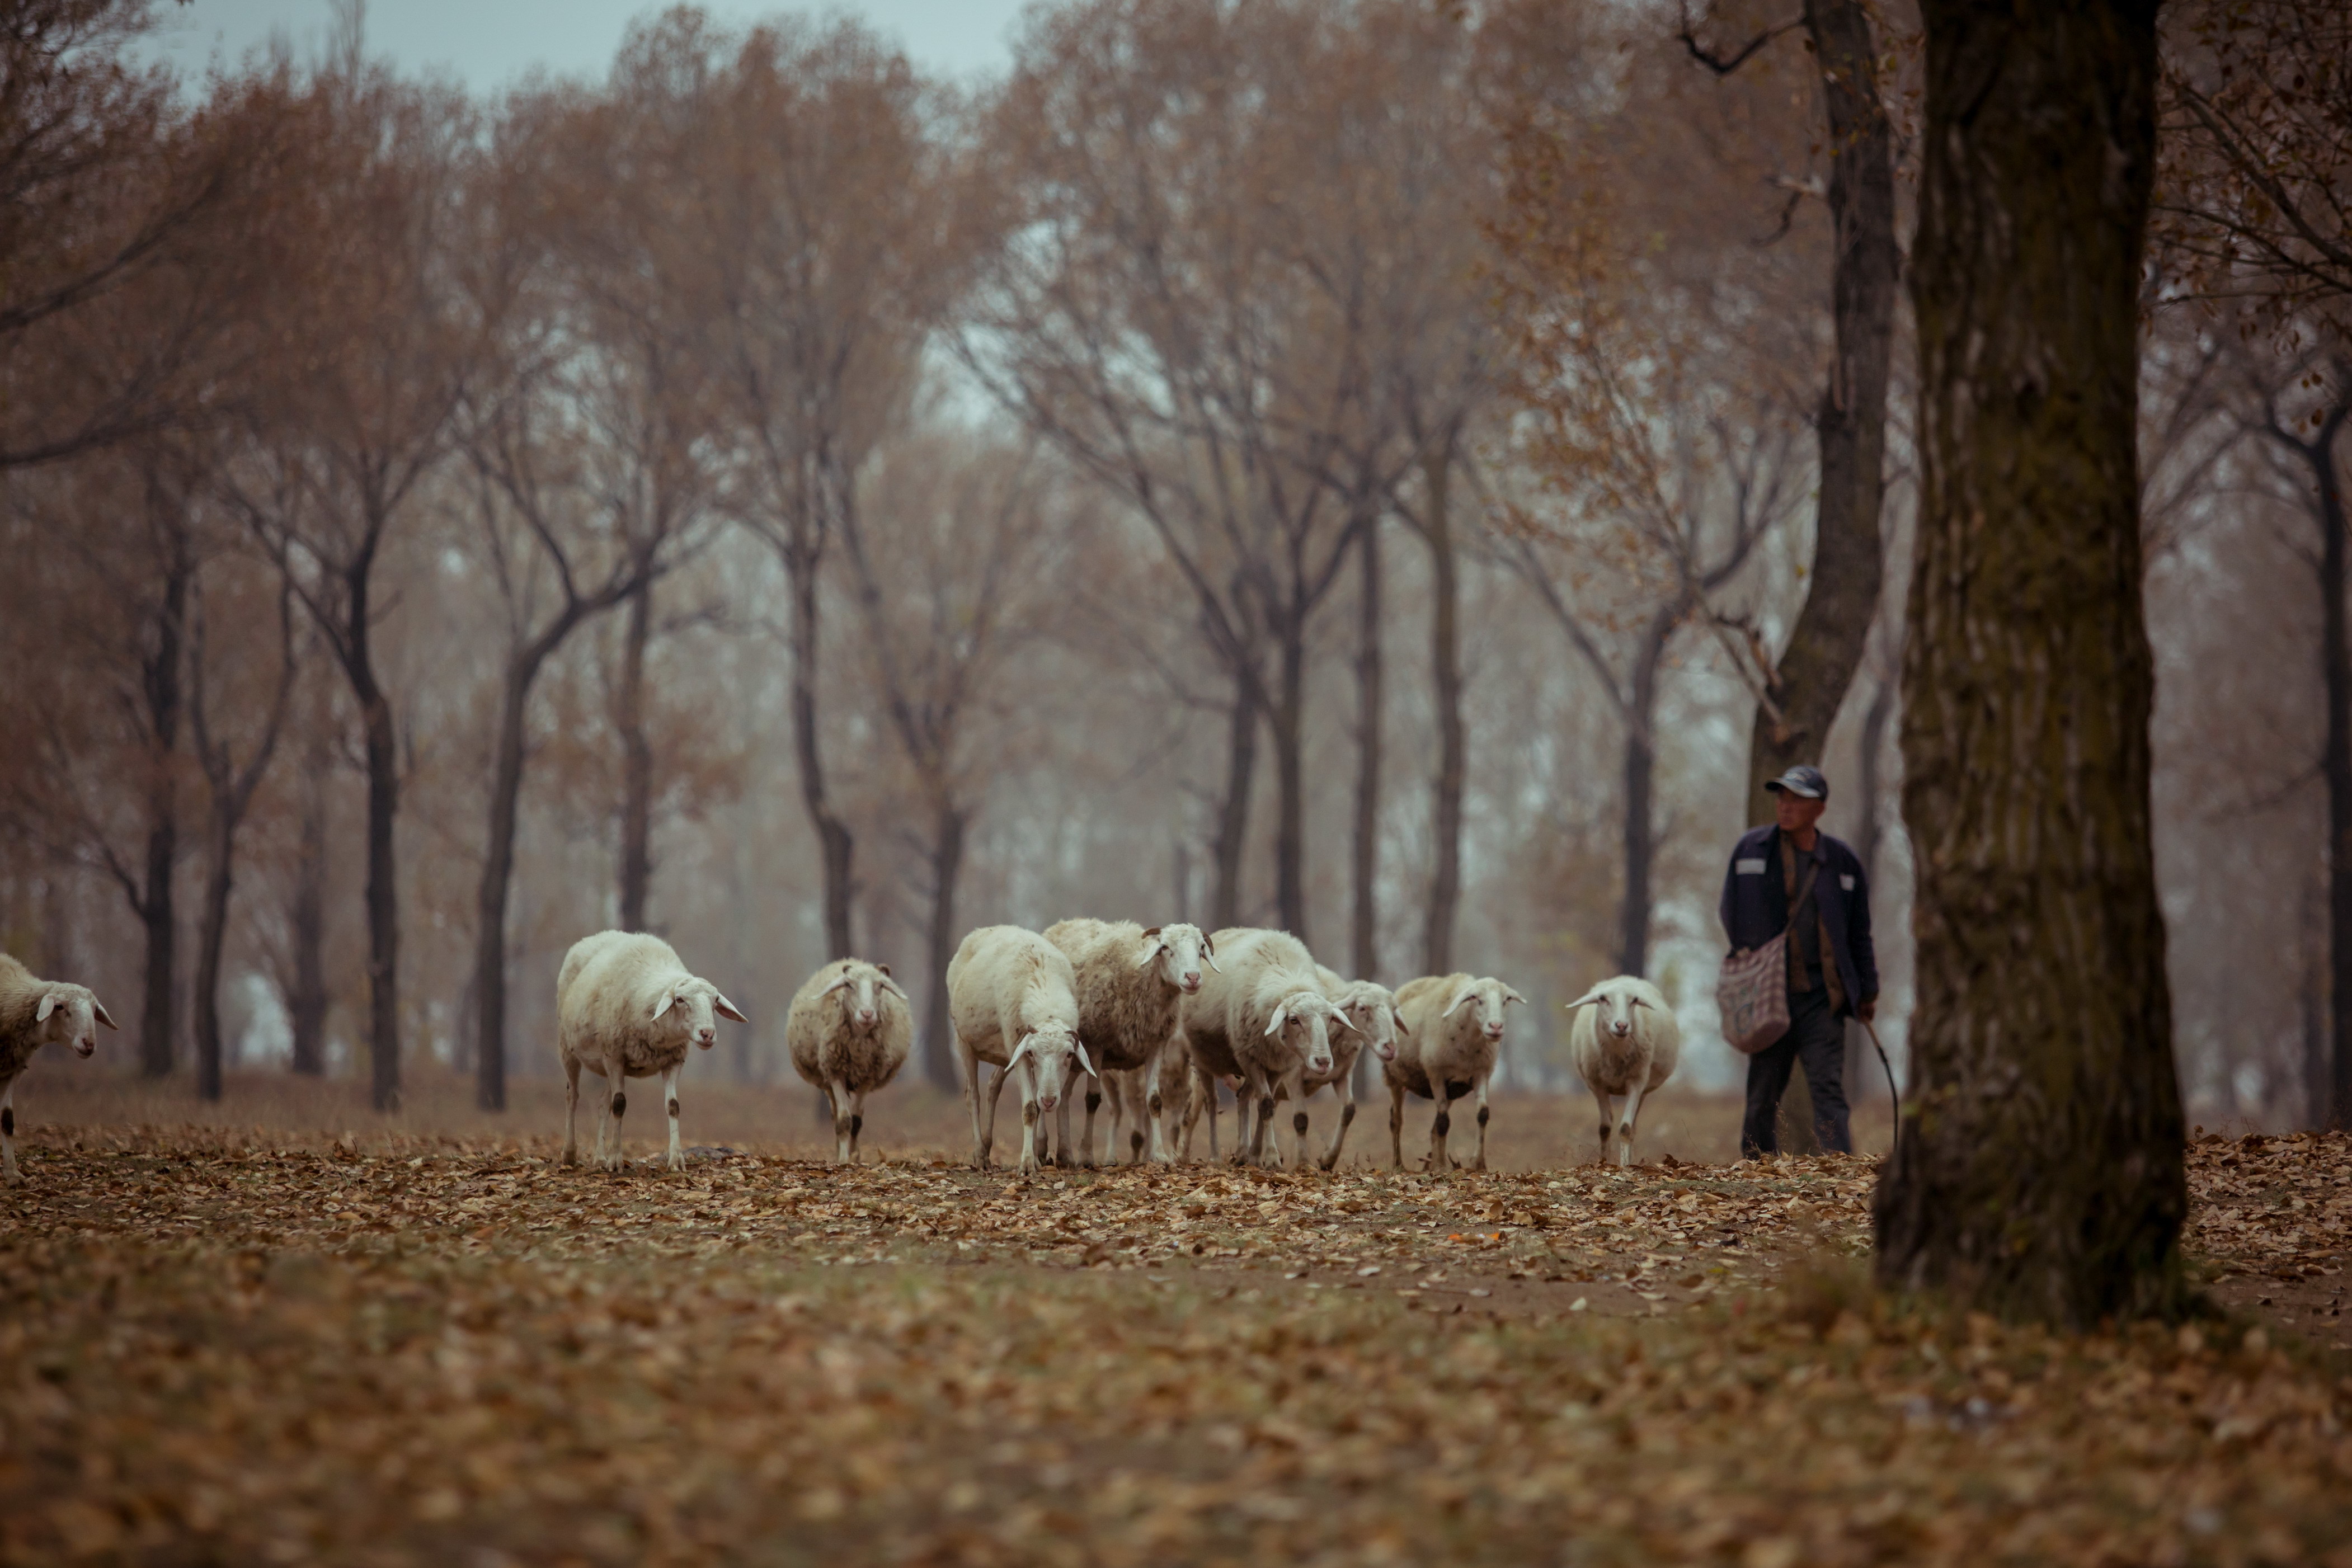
695 1001
1614 1002
1056 1058
1487 996
1372 1010
864 983
71 1014
1180 951
1304 1022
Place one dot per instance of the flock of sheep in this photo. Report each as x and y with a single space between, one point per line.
1152 1020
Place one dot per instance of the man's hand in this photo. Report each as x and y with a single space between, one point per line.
1868 1011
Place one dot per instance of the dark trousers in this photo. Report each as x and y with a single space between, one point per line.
1816 1037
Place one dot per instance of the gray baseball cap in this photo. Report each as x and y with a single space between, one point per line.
1804 782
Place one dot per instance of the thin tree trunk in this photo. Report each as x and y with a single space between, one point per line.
1288 724
2338 674
636 764
1364 934
1826 644
1445 678
306 1009
382 901
158 1025
2044 1177
212 938
1232 814
490 901
834 843
1638 832
947 865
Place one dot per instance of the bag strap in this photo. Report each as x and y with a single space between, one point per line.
1805 880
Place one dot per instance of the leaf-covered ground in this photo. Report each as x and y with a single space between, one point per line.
235 1347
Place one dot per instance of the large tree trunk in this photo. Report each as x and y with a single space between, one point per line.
2336 674
1638 833
1446 680
490 900
160 675
306 1005
1826 644
636 764
1364 927
1232 813
212 938
834 844
940 943
2043 1175
1288 724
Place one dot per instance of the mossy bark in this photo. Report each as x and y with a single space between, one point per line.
2040 1171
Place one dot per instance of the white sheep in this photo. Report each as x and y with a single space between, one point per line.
1451 1032
1013 1001
1265 1019
1625 1040
33 1013
849 1032
1129 982
627 1007
1372 1009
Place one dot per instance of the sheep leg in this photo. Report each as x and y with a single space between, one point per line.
571 1109
616 1079
1030 1117
1155 1109
1480 1163
1346 1089
968 1060
1295 1086
1396 1124
8 1132
1061 1155
1440 1125
837 1093
604 1120
1608 1118
1094 1103
669 1104
1633 1087
857 1121
995 1094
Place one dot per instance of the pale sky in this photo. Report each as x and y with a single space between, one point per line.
489 44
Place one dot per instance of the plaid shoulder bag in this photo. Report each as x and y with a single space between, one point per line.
1752 992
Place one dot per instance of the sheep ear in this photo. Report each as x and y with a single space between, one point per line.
1401 1026
1275 1022
1152 947
1084 1061
728 1009
1018 1052
668 997
885 969
48 1005
1460 997
1211 955
1637 1001
1153 932
840 982
100 1008
1591 996
1511 996
892 987
1341 1014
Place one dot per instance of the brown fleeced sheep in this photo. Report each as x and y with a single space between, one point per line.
1453 1032
848 1032
1130 981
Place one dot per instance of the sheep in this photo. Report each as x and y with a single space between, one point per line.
1452 1029
627 1007
849 1032
1130 981
1625 1040
33 1013
1372 1009
1265 1019
1011 998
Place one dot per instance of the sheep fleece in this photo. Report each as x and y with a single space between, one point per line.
1125 1012
604 997
827 1049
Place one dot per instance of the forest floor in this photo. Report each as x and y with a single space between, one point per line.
245 1344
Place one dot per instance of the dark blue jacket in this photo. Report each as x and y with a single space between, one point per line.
1755 907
